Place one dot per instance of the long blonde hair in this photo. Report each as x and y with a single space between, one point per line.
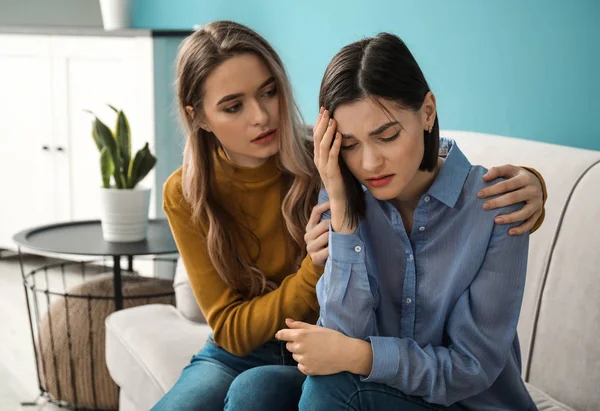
198 56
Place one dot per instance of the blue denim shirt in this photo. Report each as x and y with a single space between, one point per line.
439 305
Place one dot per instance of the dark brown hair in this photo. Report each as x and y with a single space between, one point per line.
380 67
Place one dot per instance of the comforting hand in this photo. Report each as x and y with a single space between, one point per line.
321 351
317 235
521 186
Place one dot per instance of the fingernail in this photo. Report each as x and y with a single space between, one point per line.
499 220
486 206
330 121
480 194
512 232
321 110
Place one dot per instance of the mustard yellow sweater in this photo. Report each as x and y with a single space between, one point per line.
239 325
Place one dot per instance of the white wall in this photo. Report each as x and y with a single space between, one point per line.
73 13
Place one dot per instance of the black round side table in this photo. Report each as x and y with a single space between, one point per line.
85 238
71 304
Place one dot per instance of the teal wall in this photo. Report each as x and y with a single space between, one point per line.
522 68
169 140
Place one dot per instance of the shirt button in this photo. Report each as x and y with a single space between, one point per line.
411 257
421 228
427 198
408 300
358 249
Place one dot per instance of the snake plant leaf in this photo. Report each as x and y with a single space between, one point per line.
123 136
100 132
115 153
107 139
107 166
143 162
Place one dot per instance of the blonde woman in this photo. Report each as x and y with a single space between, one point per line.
243 212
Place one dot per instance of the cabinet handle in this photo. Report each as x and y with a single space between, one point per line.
45 148
59 148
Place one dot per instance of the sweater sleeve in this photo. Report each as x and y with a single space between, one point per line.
239 325
542 216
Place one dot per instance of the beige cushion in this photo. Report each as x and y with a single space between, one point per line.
184 296
147 347
544 402
565 356
126 403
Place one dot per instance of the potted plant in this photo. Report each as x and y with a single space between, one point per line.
124 206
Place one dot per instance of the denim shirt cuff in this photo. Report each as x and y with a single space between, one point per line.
346 248
386 360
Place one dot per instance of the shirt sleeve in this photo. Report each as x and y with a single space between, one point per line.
239 325
481 332
344 294
323 198
343 291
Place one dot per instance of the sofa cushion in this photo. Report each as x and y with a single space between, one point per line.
127 404
545 402
147 347
565 356
184 296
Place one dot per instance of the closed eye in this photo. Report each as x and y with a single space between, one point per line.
390 139
383 140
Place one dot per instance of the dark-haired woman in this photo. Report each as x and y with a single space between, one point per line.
422 290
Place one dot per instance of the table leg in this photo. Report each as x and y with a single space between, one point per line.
130 261
35 352
117 282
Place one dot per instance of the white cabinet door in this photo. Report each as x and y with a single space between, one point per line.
49 164
26 135
91 72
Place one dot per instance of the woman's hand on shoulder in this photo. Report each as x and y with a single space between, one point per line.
521 185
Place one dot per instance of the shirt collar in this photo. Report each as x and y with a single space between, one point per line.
452 175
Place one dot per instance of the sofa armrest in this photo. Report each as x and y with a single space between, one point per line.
147 347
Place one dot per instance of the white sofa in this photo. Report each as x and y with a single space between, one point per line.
559 328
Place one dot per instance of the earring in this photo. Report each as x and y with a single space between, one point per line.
430 128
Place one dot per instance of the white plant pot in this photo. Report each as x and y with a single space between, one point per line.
124 214
116 14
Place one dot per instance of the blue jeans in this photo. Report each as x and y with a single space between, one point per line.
265 379
346 392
